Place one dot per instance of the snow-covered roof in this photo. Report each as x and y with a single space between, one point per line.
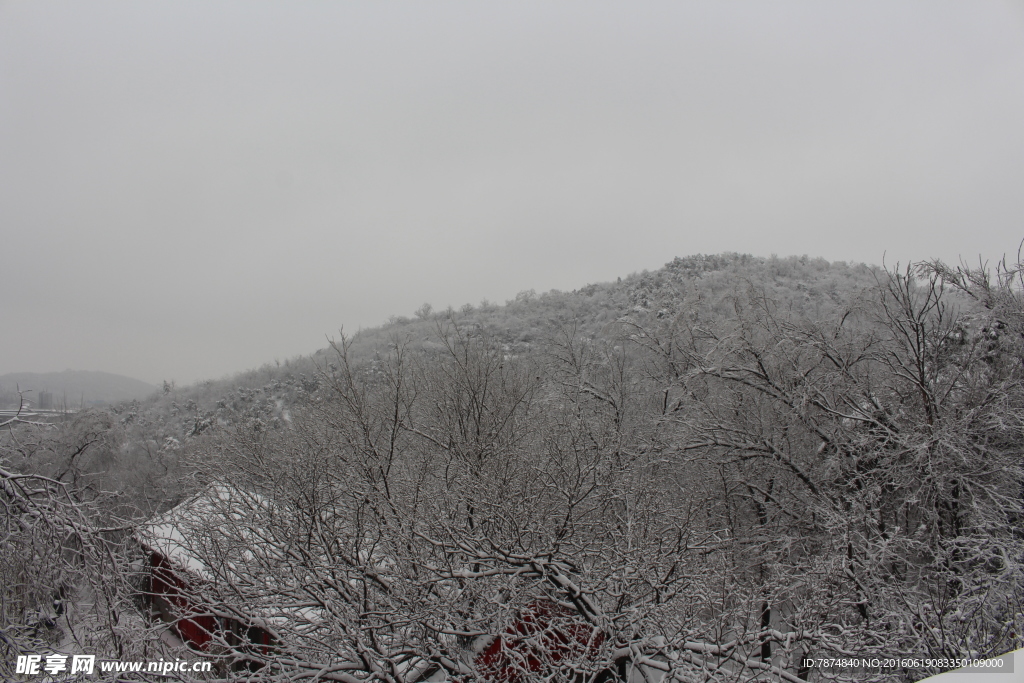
226 523
176 533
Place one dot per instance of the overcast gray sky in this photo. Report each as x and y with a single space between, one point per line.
193 189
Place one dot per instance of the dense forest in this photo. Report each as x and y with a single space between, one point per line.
712 471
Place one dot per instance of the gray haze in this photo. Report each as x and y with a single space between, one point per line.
192 189
70 389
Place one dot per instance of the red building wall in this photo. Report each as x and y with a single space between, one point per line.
196 631
544 636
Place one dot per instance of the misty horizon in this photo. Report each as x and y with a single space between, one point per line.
188 191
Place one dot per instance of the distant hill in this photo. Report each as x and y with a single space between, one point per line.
813 288
75 387
830 429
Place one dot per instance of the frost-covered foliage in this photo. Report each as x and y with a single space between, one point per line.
714 470
68 565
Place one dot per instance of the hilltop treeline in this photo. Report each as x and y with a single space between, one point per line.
717 469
